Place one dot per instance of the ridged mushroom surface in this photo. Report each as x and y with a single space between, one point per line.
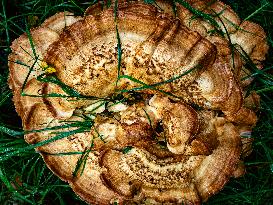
153 105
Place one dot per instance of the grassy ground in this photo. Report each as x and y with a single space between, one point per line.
26 180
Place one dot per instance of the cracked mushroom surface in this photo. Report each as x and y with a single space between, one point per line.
153 105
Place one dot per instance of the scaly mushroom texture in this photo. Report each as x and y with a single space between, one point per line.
152 101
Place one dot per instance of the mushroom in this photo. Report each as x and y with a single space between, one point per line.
139 175
180 142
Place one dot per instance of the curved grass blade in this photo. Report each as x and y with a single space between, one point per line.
201 14
53 79
16 152
119 53
118 40
5 23
153 86
10 132
81 163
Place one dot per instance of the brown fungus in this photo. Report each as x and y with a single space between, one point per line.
181 141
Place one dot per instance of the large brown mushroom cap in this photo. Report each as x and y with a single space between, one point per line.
179 143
